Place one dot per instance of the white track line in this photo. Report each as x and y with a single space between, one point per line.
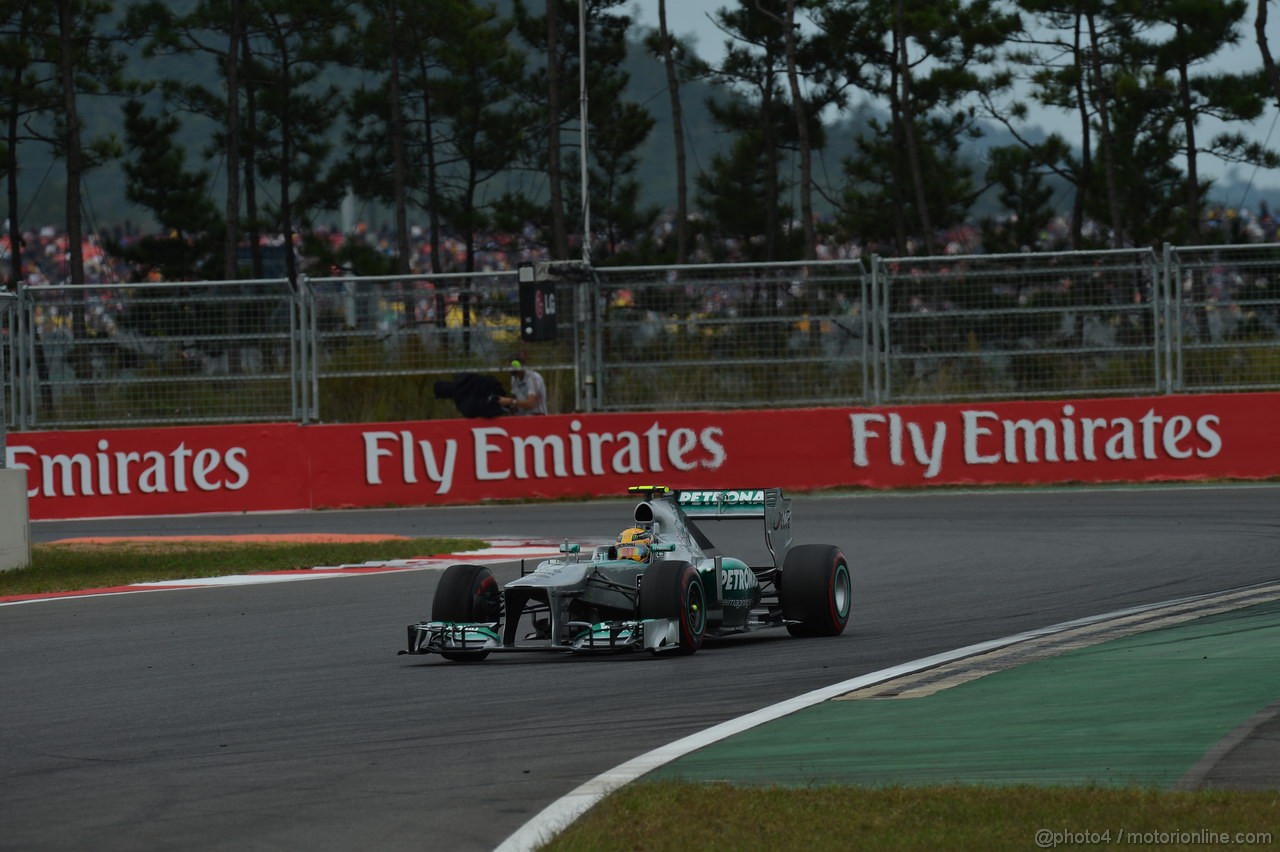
504 550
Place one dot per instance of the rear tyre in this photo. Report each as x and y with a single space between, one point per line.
816 591
467 594
672 590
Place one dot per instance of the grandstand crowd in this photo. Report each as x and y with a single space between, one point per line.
45 256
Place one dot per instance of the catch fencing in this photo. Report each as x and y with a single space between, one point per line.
1018 326
7 302
825 333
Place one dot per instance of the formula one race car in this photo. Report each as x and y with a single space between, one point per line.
663 586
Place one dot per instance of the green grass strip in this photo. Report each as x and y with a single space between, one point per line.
68 567
656 817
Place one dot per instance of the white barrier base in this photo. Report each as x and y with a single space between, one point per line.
15 529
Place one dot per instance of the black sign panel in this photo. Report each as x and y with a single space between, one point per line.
537 310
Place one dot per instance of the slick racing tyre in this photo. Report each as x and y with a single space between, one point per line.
816 591
467 593
672 590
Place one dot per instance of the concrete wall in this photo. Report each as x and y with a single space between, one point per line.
15 532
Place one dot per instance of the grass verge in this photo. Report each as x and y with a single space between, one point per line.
651 817
67 567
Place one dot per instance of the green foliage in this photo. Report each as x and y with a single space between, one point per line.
880 179
157 176
744 191
907 166
415 361
730 193
659 362
1239 366
617 126
1024 193
380 399
162 393
475 139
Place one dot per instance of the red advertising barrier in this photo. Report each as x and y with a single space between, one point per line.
285 466
179 470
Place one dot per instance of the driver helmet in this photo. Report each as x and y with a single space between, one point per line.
633 543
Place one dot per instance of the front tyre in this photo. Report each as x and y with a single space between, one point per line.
672 590
467 594
816 591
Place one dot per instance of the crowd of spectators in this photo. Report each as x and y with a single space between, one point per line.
45 251
45 257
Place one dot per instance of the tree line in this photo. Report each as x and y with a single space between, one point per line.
466 115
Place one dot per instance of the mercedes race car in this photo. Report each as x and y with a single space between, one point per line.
662 587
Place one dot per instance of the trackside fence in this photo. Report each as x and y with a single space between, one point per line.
918 329
7 384
784 335
1018 326
1223 318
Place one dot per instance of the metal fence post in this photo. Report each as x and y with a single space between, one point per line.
1157 327
1165 319
302 349
581 332
592 288
879 324
7 302
24 361
309 348
1175 322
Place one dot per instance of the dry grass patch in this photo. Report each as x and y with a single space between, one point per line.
670 817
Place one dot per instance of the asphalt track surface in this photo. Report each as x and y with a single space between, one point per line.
279 717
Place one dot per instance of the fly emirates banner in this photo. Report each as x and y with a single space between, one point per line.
244 468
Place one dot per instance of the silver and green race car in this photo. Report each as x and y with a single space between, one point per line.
668 597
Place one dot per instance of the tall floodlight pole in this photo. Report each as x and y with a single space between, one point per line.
582 119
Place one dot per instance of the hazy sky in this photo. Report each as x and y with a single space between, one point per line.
690 18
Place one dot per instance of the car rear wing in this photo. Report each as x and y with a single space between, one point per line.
767 504
744 503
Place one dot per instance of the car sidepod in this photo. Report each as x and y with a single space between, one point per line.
737 592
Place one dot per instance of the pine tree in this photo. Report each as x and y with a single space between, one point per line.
759 116
487 132
671 52
214 30
927 60
295 112
1197 31
616 126
28 90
